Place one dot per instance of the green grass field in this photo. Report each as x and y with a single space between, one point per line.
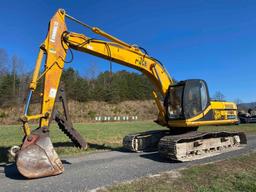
232 175
100 136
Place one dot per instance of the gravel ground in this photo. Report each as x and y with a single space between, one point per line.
101 169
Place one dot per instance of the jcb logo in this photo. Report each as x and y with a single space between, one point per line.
54 31
218 115
141 62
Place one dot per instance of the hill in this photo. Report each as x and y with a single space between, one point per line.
246 106
82 112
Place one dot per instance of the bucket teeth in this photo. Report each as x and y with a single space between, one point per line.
37 157
67 128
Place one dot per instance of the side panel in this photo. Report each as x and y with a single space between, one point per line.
224 110
218 113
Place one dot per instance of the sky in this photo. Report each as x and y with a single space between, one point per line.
214 40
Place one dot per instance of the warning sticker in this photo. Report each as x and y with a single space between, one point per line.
52 93
89 47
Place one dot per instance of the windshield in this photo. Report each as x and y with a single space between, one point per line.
193 104
187 99
195 98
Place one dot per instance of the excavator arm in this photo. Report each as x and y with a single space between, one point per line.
44 161
55 47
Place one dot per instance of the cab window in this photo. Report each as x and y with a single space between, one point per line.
175 102
195 98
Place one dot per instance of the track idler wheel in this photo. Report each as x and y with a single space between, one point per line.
37 157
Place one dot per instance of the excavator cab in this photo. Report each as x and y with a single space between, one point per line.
187 99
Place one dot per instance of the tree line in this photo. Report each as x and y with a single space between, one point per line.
107 86
13 82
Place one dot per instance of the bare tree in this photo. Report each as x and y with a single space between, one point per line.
19 80
238 101
219 96
92 71
3 61
14 73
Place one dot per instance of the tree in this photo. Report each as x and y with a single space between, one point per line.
92 71
81 90
3 61
121 86
218 96
76 87
12 80
14 73
6 91
69 77
238 101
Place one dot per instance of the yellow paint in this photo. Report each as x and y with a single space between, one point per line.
55 47
161 115
26 129
33 117
220 111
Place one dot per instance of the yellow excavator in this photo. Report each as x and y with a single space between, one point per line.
183 106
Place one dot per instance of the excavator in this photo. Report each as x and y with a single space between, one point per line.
183 106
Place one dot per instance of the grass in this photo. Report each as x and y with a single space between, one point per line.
238 174
100 136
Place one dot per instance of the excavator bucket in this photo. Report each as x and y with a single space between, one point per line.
37 157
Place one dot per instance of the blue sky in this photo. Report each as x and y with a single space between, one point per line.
213 40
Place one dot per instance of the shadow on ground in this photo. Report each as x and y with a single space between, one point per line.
154 156
6 162
4 155
10 170
92 146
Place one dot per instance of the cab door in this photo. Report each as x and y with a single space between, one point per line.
196 98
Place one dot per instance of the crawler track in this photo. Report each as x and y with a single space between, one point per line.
144 141
184 147
196 145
